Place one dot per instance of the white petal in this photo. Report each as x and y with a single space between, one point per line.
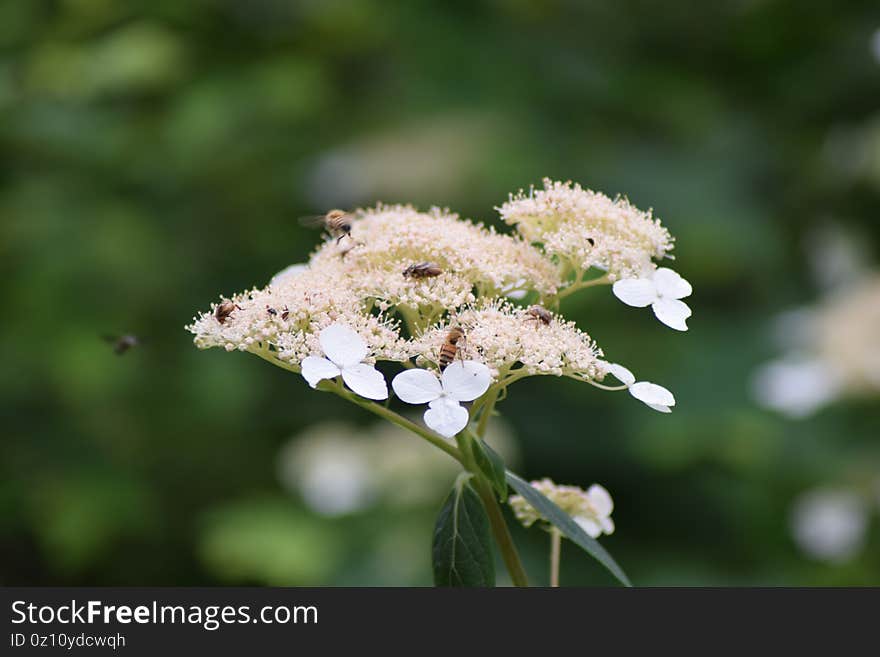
417 386
287 274
607 525
652 395
342 345
315 369
589 525
446 417
366 381
672 312
671 285
466 381
600 499
621 373
638 292
659 408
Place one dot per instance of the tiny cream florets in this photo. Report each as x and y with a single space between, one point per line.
501 335
475 261
303 305
586 229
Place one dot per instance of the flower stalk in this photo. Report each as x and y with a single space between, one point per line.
497 524
555 550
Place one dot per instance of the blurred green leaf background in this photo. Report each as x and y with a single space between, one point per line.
156 154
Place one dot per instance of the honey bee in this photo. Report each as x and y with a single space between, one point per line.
422 270
122 343
224 310
539 314
335 222
450 347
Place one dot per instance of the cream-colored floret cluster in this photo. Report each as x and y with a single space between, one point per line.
585 229
502 335
571 499
475 261
303 304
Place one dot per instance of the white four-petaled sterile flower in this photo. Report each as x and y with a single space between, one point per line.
650 394
344 350
663 291
599 520
460 382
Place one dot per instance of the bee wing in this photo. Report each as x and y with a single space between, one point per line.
312 220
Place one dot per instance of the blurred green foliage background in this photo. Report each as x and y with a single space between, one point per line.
157 154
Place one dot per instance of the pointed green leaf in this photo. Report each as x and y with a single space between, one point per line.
462 549
492 465
569 528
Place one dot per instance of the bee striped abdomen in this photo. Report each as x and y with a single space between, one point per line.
449 349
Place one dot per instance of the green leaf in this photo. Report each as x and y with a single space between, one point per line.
564 523
492 465
462 549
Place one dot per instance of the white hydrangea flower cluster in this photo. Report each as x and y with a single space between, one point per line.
584 229
591 508
395 283
438 295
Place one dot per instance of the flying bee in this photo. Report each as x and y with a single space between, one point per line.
122 343
539 314
224 310
450 347
336 222
422 270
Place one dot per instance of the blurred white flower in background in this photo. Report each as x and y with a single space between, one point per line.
796 387
329 471
830 524
340 469
833 352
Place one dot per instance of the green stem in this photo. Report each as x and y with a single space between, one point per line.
555 550
581 284
394 418
488 409
493 511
